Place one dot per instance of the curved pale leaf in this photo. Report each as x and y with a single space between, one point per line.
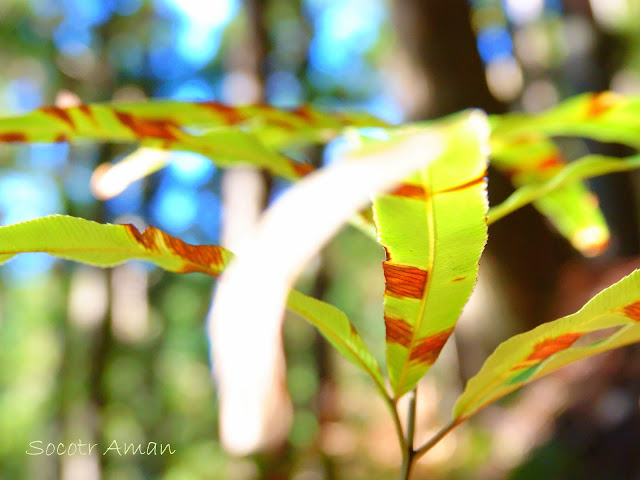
433 229
610 320
532 162
106 245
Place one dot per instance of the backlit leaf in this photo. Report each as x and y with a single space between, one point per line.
610 320
249 134
531 162
106 245
433 229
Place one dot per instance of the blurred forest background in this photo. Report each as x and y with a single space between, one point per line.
122 354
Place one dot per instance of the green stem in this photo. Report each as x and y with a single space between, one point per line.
408 458
436 438
396 421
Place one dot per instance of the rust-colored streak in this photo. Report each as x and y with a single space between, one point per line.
428 348
459 279
464 186
147 238
62 138
398 331
197 258
600 103
550 162
86 110
404 281
387 254
146 128
12 137
408 190
548 347
230 115
632 311
60 114
304 113
300 168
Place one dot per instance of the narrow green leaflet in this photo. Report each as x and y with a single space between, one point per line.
249 134
586 167
532 161
610 320
433 229
604 116
108 245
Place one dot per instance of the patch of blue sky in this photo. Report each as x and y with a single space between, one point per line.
51 158
190 169
24 196
209 215
283 89
192 90
76 180
72 38
174 208
129 201
494 43
87 12
22 94
200 26
127 7
384 107
167 64
343 30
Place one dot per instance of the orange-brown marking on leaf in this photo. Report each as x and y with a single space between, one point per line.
463 186
12 137
459 279
60 114
404 281
86 110
197 258
550 162
600 103
428 348
408 190
147 238
62 138
305 113
632 311
398 331
146 128
548 347
387 254
300 168
230 115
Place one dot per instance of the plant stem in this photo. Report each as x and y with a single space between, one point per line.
396 421
408 458
435 439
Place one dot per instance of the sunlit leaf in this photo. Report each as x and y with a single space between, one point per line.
532 162
228 135
433 229
107 245
610 320
604 116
